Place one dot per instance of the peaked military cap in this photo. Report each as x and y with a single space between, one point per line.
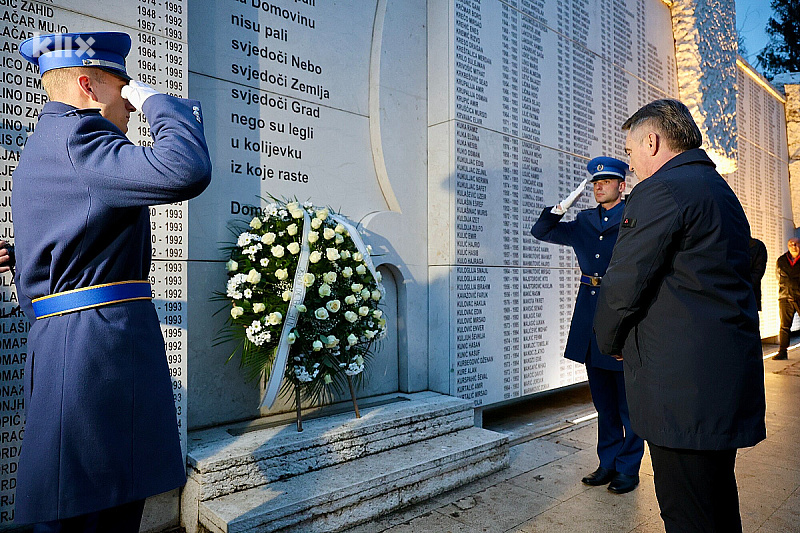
101 49
603 168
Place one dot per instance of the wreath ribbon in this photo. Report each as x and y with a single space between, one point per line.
362 248
298 295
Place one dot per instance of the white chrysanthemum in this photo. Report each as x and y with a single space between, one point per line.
245 239
247 293
264 262
234 286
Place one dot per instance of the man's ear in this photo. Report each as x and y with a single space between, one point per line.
652 143
622 185
86 85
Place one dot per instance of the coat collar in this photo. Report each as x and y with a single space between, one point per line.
60 108
696 155
614 217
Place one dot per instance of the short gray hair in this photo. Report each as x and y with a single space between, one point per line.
672 120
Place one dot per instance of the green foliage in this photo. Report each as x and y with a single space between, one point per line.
782 53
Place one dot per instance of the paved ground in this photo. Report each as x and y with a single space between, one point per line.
552 449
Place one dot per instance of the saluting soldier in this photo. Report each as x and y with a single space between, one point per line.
592 236
101 432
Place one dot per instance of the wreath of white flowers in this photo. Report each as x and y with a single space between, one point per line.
338 320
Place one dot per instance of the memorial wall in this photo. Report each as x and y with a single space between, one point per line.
443 126
523 94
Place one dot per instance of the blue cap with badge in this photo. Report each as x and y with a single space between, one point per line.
100 49
603 168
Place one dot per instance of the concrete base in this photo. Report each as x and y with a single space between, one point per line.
340 471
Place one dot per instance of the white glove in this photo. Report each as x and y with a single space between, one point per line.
561 207
137 93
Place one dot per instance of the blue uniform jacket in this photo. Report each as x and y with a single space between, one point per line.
593 246
101 428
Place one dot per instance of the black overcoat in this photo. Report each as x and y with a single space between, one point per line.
677 302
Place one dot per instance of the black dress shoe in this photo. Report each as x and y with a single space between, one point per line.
781 356
601 476
623 483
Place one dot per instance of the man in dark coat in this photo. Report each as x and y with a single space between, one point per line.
101 432
788 270
678 305
592 236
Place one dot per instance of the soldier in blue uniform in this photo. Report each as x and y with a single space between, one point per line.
101 433
592 236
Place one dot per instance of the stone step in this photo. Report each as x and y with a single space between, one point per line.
347 494
224 460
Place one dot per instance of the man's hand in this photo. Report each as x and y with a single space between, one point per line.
137 93
6 256
561 207
617 357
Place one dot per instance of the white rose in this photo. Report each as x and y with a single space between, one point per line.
256 223
294 248
339 239
361 270
376 295
316 345
301 308
236 312
296 213
291 337
291 206
321 313
378 277
333 306
350 316
369 334
316 223
274 318
339 228
363 310
287 295
324 290
291 229
377 313
356 287
328 233
332 341
329 277
281 274
365 294
328 379
323 213
313 236
358 257
315 257
346 271
308 279
254 276
352 339
349 299
268 238
232 266
277 250
259 308
332 254
345 254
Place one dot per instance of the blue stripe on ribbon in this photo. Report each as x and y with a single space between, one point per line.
88 297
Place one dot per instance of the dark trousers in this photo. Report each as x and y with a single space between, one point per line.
696 490
786 310
121 519
618 447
